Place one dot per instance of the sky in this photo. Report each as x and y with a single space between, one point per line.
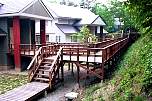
78 1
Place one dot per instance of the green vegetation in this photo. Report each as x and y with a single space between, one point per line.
11 81
85 36
116 9
133 79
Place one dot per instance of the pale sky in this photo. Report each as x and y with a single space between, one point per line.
98 1
78 1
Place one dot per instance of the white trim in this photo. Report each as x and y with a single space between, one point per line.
26 15
35 16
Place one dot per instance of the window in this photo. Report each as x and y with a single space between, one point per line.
73 38
38 40
47 38
58 38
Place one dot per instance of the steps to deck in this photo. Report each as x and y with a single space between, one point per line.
42 79
42 74
25 92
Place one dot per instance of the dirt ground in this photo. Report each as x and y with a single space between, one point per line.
70 84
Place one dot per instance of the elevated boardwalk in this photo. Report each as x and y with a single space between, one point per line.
25 93
97 57
47 66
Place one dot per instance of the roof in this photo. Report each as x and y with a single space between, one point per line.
13 6
17 8
67 29
117 22
63 11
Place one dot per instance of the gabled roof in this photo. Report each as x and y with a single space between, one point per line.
13 6
18 8
67 29
98 21
63 11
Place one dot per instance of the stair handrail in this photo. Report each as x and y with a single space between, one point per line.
59 53
34 58
54 66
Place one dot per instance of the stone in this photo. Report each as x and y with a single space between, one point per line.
71 95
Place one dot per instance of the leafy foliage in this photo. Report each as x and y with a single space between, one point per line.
103 12
85 36
11 81
133 79
119 10
142 10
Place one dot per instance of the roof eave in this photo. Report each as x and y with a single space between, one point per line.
26 15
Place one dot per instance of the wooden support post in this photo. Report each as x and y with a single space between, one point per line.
16 35
78 75
87 63
42 32
68 66
78 68
72 69
62 66
104 56
70 60
58 74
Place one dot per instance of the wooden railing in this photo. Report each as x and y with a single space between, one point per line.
111 50
77 50
29 49
57 63
37 59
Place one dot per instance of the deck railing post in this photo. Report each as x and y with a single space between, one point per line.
62 68
87 61
104 56
78 68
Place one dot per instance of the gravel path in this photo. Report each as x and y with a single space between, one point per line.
58 94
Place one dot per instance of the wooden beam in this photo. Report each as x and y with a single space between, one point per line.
42 32
16 35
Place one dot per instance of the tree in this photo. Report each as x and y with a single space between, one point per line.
142 11
85 35
104 12
116 9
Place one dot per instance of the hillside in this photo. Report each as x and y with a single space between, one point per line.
132 81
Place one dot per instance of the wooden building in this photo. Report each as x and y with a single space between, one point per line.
17 26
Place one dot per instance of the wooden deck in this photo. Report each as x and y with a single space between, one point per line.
81 58
25 92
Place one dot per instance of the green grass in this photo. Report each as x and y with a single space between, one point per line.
133 79
11 81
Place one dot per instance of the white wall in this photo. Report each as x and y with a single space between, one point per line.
52 30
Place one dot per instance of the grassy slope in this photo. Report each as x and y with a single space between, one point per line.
132 80
11 81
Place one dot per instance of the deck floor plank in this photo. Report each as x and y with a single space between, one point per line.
24 92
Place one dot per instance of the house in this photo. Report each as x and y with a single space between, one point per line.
17 27
68 20
118 24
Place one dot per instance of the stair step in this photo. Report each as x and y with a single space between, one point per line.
45 70
41 79
45 66
40 74
47 59
46 62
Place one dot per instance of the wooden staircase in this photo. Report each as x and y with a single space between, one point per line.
42 74
45 69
